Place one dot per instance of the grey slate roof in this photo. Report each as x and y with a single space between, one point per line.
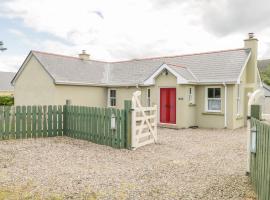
220 66
5 81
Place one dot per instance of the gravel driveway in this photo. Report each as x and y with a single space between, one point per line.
185 164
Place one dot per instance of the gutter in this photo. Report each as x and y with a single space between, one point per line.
225 105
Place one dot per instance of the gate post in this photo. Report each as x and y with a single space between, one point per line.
128 109
256 111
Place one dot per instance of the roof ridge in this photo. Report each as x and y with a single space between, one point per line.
64 56
150 58
191 54
176 65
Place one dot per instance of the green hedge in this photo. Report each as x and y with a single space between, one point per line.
6 101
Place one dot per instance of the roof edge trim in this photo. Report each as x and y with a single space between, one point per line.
151 79
243 68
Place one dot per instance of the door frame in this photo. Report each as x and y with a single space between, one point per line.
159 104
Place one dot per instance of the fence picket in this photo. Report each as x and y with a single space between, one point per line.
44 128
6 114
118 125
18 124
23 116
1 122
28 121
60 120
50 121
39 123
54 113
34 121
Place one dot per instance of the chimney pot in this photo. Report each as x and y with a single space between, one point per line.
250 35
84 55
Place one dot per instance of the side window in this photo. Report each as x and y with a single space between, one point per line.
112 97
213 103
191 95
148 97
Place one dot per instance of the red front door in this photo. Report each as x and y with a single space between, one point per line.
168 105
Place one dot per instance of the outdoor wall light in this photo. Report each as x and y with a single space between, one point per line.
253 134
166 72
113 124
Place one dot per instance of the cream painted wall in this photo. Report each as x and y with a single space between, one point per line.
34 86
81 95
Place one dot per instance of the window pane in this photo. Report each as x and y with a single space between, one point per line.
214 104
148 93
113 102
217 93
210 92
112 93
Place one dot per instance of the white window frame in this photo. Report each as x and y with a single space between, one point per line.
206 99
148 97
238 100
109 97
191 95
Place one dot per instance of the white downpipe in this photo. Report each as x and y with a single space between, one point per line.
225 105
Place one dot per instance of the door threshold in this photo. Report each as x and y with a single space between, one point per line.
166 125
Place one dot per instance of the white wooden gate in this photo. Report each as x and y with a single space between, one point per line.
144 123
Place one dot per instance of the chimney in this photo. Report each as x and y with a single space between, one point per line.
84 55
251 71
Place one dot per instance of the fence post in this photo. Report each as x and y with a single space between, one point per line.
256 112
128 123
68 103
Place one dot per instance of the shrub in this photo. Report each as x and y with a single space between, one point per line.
6 101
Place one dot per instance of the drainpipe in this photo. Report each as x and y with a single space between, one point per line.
225 105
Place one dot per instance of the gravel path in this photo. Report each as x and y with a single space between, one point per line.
185 164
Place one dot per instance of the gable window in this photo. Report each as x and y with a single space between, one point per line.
213 101
238 100
148 97
112 97
191 95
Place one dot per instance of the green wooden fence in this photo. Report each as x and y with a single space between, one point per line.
87 123
95 124
30 121
260 160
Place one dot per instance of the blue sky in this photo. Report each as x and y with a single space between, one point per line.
127 29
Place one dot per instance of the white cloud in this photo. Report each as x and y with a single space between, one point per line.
113 30
10 63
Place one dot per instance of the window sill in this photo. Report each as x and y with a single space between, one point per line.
191 104
213 113
238 117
